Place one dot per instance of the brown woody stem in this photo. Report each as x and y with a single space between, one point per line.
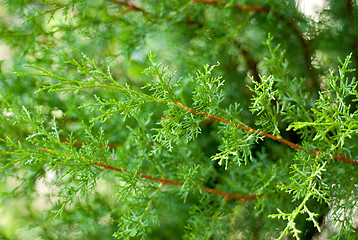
129 4
279 139
244 8
226 195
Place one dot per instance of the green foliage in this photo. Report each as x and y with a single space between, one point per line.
101 139
207 94
263 95
305 182
333 113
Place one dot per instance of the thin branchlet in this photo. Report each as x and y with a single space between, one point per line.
226 195
340 157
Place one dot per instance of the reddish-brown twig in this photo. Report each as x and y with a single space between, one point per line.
244 8
129 4
254 131
226 195
172 182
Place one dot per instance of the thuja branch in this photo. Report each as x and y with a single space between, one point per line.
226 195
254 131
145 98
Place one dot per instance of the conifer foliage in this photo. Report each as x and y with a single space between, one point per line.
183 119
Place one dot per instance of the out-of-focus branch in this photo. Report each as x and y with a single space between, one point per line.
130 5
250 62
80 144
352 34
241 7
291 24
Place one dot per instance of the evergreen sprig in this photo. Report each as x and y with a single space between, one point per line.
106 151
333 113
